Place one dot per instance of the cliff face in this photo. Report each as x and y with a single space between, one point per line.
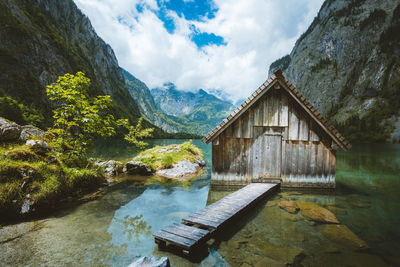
347 64
43 39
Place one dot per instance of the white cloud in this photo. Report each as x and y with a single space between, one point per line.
256 32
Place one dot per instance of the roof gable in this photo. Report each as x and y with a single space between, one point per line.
278 78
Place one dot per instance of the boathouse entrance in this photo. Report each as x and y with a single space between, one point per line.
267 153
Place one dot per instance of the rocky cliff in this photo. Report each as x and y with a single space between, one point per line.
347 64
43 39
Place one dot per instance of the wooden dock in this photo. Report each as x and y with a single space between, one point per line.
198 227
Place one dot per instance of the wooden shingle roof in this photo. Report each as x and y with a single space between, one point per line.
278 77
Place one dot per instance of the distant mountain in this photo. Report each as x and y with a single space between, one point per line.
199 112
141 93
347 64
43 39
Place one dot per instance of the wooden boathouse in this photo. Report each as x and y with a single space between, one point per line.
275 135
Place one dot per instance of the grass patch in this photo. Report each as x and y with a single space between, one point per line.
47 182
164 157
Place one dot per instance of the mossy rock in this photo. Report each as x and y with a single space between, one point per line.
343 235
25 155
317 213
164 157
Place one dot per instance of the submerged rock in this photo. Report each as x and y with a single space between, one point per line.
214 259
317 213
289 206
343 235
285 256
182 169
138 168
150 262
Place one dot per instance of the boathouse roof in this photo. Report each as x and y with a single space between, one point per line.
278 79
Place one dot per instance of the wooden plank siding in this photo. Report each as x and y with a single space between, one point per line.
274 138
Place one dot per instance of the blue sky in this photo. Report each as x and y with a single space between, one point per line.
219 45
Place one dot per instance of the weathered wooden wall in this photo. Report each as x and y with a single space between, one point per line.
274 139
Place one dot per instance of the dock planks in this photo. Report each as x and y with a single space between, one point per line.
213 217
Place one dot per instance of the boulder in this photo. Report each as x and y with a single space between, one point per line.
214 259
284 255
150 262
138 168
316 212
268 262
343 235
289 206
111 167
38 146
182 169
29 131
9 131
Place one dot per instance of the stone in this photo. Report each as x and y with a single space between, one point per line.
150 262
111 167
138 168
214 259
182 169
38 146
9 131
337 210
343 235
284 255
237 244
289 206
29 131
268 262
317 213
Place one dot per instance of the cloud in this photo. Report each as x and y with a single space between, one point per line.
255 33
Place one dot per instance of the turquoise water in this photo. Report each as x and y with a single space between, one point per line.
116 229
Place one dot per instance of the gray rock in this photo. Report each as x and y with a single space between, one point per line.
150 262
38 146
214 259
9 131
182 169
29 131
138 167
111 167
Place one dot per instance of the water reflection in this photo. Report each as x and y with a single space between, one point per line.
115 229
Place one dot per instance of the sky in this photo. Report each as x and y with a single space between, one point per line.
222 46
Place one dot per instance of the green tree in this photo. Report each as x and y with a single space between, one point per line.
78 118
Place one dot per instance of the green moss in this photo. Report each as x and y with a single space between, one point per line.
163 157
23 172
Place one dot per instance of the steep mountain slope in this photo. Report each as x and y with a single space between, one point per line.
199 112
141 93
43 39
347 64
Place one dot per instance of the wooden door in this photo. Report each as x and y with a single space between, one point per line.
267 149
272 155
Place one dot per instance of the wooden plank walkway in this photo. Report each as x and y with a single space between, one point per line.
187 235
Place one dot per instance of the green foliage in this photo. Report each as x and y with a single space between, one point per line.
375 17
136 133
390 38
324 63
162 157
20 113
24 172
78 118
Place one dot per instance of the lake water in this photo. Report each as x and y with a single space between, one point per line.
116 229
